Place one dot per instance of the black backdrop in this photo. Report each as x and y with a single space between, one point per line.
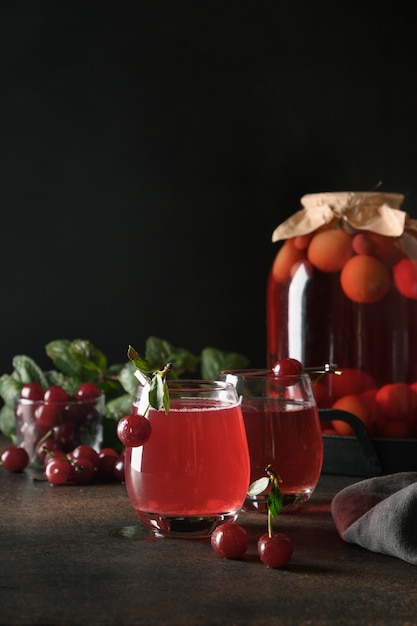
149 149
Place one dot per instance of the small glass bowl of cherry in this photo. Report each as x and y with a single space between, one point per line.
53 420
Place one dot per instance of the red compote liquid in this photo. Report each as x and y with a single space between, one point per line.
287 437
194 463
348 296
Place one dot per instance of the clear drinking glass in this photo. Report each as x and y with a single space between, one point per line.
193 472
283 430
58 425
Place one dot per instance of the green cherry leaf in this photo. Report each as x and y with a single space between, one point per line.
139 362
258 486
157 392
275 501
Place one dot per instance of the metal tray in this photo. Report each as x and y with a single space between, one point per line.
361 455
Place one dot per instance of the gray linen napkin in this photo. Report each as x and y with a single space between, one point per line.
380 514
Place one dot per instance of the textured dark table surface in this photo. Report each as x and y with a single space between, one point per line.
67 558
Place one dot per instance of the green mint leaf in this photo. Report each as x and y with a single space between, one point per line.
139 362
127 378
157 392
27 371
8 422
59 351
166 398
275 501
69 383
116 408
213 361
9 389
159 351
87 355
258 486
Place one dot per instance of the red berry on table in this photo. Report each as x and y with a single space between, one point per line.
287 367
109 452
32 391
133 430
105 466
276 550
58 471
82 471
119 469
84 451
87 391
14 459
230 540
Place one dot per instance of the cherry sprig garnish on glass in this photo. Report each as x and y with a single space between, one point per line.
135 429
293 367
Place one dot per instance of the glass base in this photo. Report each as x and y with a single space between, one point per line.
291 501
193 527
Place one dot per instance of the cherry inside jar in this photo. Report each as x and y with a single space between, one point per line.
343 293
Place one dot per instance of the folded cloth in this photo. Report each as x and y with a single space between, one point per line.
380 514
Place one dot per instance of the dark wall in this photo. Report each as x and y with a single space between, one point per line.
149 149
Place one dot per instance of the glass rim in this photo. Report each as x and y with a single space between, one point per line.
194 384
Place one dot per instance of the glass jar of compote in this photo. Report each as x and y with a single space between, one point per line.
343 290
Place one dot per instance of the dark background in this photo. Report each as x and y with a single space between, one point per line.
149 149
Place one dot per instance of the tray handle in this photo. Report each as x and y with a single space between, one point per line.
371 462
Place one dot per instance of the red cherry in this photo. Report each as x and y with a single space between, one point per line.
82 471
105 466
275 551
230 540
58 471
119 470
32 391
14 459
109 452
84 451
54 393
287 367
47 415
134 430
87 391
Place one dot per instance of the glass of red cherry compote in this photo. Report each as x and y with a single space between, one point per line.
52 421
283 430
192 474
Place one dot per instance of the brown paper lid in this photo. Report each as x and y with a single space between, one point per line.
374 211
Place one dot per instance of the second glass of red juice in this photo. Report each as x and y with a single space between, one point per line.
283 430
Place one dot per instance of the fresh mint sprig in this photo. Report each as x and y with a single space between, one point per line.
158 393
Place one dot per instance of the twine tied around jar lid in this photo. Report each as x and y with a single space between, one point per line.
373 211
